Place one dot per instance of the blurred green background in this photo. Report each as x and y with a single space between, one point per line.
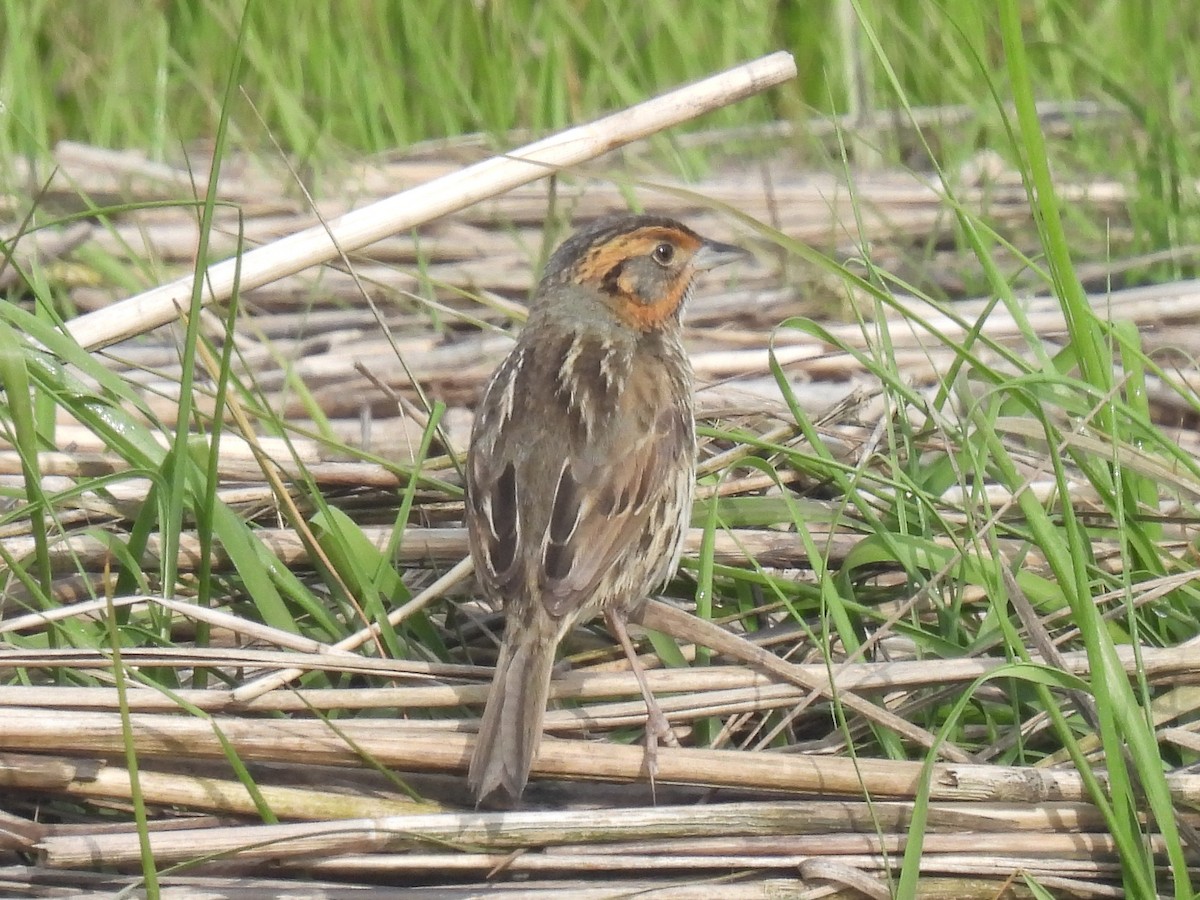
329 82
372 75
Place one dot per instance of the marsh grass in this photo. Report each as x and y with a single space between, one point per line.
1008 495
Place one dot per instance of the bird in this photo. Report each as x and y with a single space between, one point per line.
581 466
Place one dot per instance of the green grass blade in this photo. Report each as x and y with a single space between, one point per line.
149 869
14 378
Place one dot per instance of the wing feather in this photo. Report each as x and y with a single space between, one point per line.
552 527
610 505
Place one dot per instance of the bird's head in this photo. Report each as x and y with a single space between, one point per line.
640 267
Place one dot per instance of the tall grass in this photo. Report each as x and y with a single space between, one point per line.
327 81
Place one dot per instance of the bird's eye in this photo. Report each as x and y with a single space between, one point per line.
664 253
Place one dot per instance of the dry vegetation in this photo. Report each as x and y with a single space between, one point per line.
287 744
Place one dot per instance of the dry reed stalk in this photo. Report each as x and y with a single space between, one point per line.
420 546
1157 664
1033 837
1100 859
236 658
222 701
399 746
93 780
567 829
325 474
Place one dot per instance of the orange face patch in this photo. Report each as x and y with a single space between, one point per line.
638 311
648 316
601 260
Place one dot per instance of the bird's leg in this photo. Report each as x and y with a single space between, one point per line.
657 725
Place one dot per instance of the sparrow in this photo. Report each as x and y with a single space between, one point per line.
581 468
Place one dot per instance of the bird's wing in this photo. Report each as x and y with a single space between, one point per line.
602 514
492 512
552 506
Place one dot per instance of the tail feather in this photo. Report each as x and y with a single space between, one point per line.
511 729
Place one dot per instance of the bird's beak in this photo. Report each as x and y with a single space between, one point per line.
713 253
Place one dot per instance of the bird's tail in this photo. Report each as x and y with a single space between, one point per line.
511 729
